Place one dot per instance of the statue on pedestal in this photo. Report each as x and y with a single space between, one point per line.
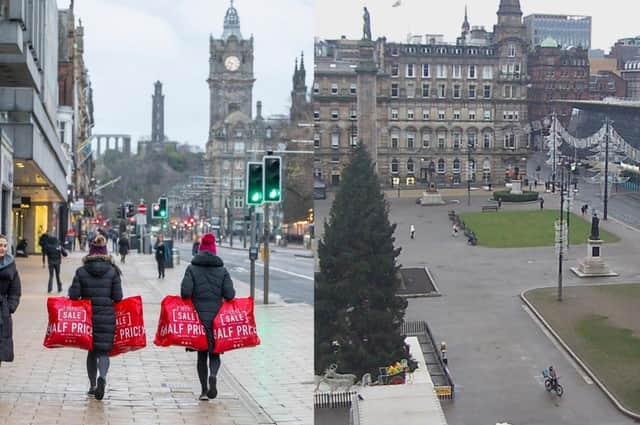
366 28
595 231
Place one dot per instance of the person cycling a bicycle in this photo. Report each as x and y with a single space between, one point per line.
553 377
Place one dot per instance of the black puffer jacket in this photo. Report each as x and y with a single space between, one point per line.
206 281
98 280
54 251
123 246
10 292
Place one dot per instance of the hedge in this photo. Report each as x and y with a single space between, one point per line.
506 196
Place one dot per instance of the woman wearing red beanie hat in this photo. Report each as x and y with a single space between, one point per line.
206 281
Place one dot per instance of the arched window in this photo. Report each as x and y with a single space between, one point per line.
456 166
395 166
411 139
410 166
441 166
395 138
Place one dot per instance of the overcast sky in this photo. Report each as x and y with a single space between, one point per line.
611 19
131 44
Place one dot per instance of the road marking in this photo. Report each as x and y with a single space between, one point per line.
286 271
558 346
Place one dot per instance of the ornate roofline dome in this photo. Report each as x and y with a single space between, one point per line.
231 23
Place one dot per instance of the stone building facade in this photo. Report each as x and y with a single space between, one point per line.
428 111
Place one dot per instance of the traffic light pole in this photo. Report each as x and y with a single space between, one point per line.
266 253
252 285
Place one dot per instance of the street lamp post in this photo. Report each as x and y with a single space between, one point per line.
469 147
553 170
561 237
606 168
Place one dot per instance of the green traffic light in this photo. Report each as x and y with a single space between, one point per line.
274 194
256 197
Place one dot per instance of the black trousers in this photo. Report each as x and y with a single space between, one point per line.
160 267
54 268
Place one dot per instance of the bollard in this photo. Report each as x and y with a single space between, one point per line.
175 256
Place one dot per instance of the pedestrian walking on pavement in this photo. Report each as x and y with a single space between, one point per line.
196 244
10 291
454 230
98 280
541 203
42 242
123 247
499 203
54 251
206 281
412 231
159 248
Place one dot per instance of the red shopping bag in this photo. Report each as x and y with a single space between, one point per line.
179 324
69 323
130 334
235 326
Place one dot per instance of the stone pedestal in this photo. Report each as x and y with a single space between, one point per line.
431 196
593 265
516 187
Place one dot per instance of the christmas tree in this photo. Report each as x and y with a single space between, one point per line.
358 316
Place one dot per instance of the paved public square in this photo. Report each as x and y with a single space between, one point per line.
268 384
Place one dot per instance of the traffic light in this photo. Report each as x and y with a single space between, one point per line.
120 212
163 211
129 209
254 191
272 179
155 210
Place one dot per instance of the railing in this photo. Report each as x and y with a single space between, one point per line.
333 400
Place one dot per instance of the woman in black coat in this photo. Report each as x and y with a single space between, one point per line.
160 254
206 281
98 280
10 292
123 247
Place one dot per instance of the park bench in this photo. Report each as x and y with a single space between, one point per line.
486 208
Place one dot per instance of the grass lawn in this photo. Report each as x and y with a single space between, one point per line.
600 324
514 229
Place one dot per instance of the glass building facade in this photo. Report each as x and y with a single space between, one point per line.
567 30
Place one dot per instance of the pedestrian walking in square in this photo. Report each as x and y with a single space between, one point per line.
454 230
159 248
98 280
10 292
412 231
123 247
499 203
206 281
54 251
42 242
541 203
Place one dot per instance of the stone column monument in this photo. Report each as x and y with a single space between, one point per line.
593 265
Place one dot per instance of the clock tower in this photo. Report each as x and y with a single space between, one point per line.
230 71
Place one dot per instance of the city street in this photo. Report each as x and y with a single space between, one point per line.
496 350
267 384
290 270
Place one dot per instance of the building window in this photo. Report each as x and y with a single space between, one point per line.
353 115
353 89
441 115
425 139
441 71
395 140
411 70
457 71
472 91
425 114
335 140
334 88
353 137
507 92
316 115
472 140
411 90
238 202
512 50
335 159
486 141
316 88
516 70
395 166
487 72
410 114
472 71
394 114
486 115
426 87
394 90
394 51
456 91
441 141
487 91
510 141
456 115
456 166
334 114
63 126
410 166
472 115
394 70
411 140
425 70
456 140
316 140
442 90
441 167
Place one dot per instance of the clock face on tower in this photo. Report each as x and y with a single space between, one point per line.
232 63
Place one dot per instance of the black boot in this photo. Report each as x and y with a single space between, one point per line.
213 390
